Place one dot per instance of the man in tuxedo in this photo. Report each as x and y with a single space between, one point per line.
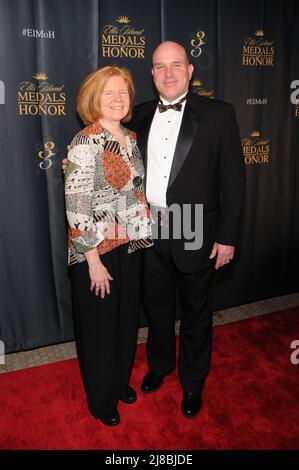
193 158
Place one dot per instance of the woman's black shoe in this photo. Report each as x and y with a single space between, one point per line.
110 417
128 396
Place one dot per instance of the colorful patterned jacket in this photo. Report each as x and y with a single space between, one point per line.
104 194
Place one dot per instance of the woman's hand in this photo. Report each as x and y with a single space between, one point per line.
99 277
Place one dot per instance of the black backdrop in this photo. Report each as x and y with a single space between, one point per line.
244 52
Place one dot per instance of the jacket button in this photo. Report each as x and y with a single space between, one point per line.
137 180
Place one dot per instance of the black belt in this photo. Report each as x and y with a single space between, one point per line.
159 214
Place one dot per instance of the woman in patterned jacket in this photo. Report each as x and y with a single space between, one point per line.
109 222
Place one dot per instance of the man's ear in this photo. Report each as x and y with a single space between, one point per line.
191 69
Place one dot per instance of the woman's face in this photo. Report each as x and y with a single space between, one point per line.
115 99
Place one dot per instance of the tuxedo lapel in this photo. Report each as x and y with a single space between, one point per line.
144 126
189 127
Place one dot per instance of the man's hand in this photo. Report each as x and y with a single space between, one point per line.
64 165
64 162
225 254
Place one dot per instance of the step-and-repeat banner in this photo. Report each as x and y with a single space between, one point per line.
246 53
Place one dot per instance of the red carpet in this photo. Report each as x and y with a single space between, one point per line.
250 400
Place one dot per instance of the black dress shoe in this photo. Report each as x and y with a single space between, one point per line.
110 417
151 382
128 396
191 404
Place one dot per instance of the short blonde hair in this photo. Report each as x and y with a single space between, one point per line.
88 101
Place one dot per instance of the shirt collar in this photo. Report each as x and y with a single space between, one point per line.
164 101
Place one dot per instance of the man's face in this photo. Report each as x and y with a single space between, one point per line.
171 71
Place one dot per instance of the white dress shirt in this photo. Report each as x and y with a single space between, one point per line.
160 151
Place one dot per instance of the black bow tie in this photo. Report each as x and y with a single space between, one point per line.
176 106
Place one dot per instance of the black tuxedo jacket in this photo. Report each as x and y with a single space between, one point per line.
207 168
